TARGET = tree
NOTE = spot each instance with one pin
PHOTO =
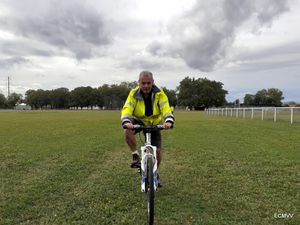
(260, 98)
(185, 90)
(249, 100)
(129, 85)
(83, 97)
(114, 96)
(171, 96)
(45, 98)
(212, 93)
(31, 98)
(104, 91)
(2, 100)
(60, 98)
(13, 99)
(275, 96)
(37, 99)
(201, 93)
(98, 98)
(270, 97)
(118, 95)
(42, 98)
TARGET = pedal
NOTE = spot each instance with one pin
(136, 165)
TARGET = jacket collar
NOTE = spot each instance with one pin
(137, 92)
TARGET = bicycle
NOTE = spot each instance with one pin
(148, 169)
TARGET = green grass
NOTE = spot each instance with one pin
(72, 167)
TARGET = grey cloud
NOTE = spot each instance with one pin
(20, 48)
(8, 63)
(203, 35)
(142, 62)
(41, 52)
(70, 25)
(268, 10)
(262, 64)
(156, 48)
(283, 56)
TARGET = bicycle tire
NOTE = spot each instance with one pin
(150, 191)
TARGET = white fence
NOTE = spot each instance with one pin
(291, 114)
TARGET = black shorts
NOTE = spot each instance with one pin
(155, 135)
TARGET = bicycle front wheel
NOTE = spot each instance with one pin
(150, 190)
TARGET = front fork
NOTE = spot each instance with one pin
(147, 152)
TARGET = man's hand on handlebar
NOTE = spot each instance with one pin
(128, 126)
(168, 125)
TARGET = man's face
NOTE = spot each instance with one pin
(146, 83)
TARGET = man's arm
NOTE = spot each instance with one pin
(166, 111)
(126, 113)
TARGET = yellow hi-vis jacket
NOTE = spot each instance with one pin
(134, 108)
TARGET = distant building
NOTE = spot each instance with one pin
(22, 106)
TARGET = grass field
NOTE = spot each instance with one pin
(72, 167)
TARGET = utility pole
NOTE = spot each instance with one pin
(8, 91)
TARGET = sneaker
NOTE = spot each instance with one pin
(135, 161)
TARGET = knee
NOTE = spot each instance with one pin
(128, 134)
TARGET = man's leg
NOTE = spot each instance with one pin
(159, 156)
(156, 141)
(131, 141)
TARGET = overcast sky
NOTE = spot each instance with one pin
(248, 45)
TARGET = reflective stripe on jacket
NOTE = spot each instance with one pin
(134, 107)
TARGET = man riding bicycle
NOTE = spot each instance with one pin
(145, 105)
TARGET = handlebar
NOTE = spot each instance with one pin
(151, 127)
(147, 128)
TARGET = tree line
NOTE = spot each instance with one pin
(264, 97)
(193, 93)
